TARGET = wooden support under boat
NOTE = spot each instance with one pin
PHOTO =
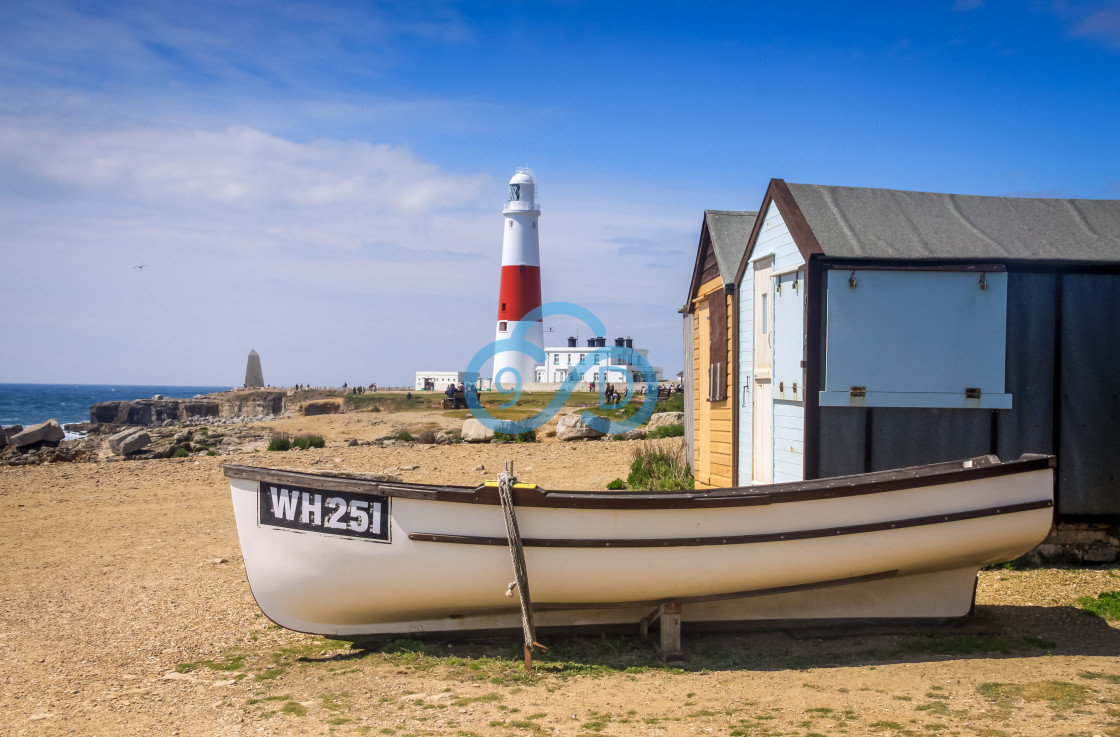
(668, 618)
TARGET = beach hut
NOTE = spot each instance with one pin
(880, 329)
(709, 316)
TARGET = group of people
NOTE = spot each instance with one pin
(457, 395)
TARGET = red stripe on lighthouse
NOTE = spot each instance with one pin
(520, 292)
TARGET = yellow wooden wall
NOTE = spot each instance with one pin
(714, 444)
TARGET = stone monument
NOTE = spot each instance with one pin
(254, 378)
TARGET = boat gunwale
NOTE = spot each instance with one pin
(877, 482)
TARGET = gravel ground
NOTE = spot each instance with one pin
(124, 610)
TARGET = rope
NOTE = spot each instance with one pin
(506, 480)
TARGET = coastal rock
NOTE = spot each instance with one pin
(662, 419)
(45, 432)
(636, 434)
(129, 441)
(572, 427)
(475, 432)
(11, 430)
(3, 438)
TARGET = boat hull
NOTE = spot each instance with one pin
(900, 554)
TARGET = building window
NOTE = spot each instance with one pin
(503, 306)
(514, 192)
(502, 326)
(555, 358)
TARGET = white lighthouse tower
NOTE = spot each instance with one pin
(520, 291)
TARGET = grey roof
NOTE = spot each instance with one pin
(730, 231)
(855, 222)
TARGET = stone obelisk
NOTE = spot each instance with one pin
(254, 378)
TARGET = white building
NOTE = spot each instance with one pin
(561, 359)
(438, 380)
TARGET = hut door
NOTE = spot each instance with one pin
(762, 424)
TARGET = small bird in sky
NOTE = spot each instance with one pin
(140, 266)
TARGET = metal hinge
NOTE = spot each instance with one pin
(972, 393)
(858, 391)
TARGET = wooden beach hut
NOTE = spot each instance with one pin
(709, 318)
(880, 329)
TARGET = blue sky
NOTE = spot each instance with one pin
(322, 182)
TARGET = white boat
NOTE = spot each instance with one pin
(351, 557)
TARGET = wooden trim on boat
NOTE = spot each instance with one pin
(764, 537)
(793, 588)
(937, 474)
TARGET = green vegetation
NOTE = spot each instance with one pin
(1106, 677)
(228, 663)
(659, 466)
(529, 436)
(280, 442)
(295, 708)
(617, 484)
(1058, 695)
(308, 441)
(666, 431)
(1106, 606)
(180, 453)
(283, 441)
(404, 435)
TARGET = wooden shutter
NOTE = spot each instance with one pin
(717, 345)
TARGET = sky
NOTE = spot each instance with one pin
(323, 181)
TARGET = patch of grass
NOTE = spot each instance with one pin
(180, 453)
(211, 452)
(277, 697)
(1059, 695)
(529, 436)
(934, 707)
(659, 466)
(271, 673)
(1106, 606)
(304, 442)
(616, 484)
(404, 435)
(228, 663)
(294, 708)
(1106, 677)
(484, 698)
(335, 702)
(280, 442)
(973, 643)
(666, 431)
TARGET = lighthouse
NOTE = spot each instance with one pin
(520, 291)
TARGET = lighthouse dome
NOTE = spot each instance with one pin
(522, 189)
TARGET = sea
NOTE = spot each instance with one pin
(30, 404)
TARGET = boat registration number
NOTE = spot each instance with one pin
(349, 514)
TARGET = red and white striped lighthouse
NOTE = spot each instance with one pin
(520, 292)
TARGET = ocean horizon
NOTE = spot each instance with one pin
(30, 404)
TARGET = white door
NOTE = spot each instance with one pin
(762, 425)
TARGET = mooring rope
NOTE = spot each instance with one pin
(506, 480)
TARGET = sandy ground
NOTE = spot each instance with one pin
(124, 609)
